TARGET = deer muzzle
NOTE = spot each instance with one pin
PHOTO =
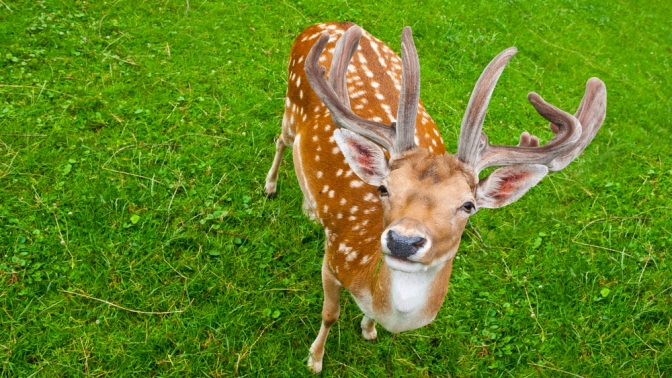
(406, 239)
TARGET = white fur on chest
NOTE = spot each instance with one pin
(408, 295)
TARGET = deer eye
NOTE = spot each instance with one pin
(468, 207)
(382, 191)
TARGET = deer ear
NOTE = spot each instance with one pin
(365, 158)
(506, 185)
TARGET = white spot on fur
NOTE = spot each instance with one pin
(356, 184)
(388, 111)
(343, 201)
(361, 58)
(344, 248)
(331, 194)
(319, 174)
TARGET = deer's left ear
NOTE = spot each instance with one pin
(364, 157)
(506, 185)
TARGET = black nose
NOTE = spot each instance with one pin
(403, 247)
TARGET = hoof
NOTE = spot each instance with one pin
(369, 331)
(315, 367)
(271, 195)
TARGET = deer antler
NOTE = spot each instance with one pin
(570, 139)
(410, 93)
(591, 114)
(334, 94)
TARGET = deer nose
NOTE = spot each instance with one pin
(403, 247)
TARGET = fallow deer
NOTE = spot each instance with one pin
(392, 202)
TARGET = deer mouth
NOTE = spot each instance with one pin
(403, 265)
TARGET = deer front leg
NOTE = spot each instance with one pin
(272, 177)
(331, 309)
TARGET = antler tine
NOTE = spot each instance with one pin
(341, 113)
(470, 141)
(410, 93)
(345, 49)
(567, 136)
(591, 114)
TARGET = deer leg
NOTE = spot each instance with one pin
(301, 177)
(272, 177)
(308, 209)
(331, 309)
(369, 328)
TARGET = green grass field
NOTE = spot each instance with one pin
(135, 239)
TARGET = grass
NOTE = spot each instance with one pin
(135, 138)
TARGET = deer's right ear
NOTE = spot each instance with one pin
(365, 158)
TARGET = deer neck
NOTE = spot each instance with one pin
(404, 301)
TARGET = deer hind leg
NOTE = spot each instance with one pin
(307, 206)
(331, 309)
(272, 177)
(369, 328)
